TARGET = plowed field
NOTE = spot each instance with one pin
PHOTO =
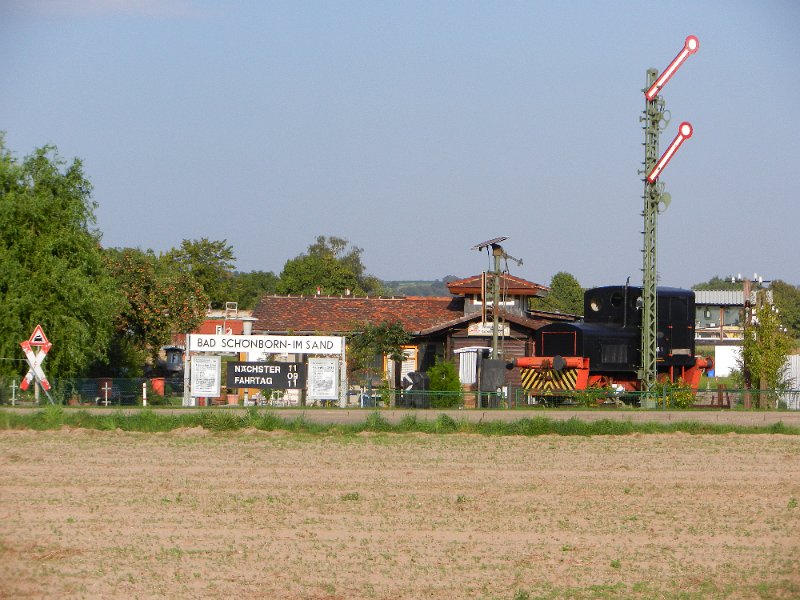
(279, 515)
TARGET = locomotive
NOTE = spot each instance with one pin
(604, 349)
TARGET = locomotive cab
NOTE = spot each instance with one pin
(621, 306)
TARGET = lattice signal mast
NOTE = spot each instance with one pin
(655, 200)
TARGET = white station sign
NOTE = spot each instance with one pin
(271, 344)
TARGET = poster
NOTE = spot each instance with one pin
(323, 379)
(206, 376)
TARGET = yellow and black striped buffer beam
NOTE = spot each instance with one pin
(549, 379)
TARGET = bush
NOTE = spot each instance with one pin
(674, 394)
(444, 379)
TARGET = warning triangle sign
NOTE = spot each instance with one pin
(38, 338)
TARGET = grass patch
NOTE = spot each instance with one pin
(151, 420)
(376, 422)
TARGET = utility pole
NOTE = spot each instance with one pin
(498, 255)
(748, 323)
(656, 201)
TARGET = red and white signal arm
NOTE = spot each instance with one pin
(690, 46)
(684, 133)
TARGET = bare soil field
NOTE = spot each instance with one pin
(89, 514)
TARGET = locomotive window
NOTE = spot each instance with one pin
(614, 354)
(595, 304)
(617, 299)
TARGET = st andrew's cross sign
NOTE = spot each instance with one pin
(35, 360)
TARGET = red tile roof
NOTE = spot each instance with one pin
(334, 314)
(512, 286)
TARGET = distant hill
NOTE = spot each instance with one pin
(419, 288)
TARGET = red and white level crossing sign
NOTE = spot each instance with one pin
(36, 358)
(38, 338)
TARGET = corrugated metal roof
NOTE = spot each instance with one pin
(719, 297)
(726, 297)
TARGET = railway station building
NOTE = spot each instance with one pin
(457, 328)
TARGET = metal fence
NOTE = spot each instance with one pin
(720, 398)
(101, 391)
(169, 392)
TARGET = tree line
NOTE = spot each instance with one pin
(112, 309)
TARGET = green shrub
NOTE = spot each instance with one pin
(674, 394)
(444, 379)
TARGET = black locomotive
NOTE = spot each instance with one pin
(604, 349)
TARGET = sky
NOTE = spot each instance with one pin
(417, 130)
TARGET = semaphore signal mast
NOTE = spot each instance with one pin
(655, 200)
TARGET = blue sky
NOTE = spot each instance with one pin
(419, 129)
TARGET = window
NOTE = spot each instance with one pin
(614, 354)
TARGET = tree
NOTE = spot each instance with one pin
(331, 267)
(370, 342)
(764, 351)
(718, 283)
(566, 296)
(210, 263)
(249, 287)
(51, 264)
(787, 300)
(159, 300)
(307, 275)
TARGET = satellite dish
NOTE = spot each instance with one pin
(664, 202)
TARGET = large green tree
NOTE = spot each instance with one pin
(330, 266)
(787, 298)
(764, 351)
(370, 342)
(210, 263)
(159, 300)
(566, 295)
(51, 264)
(249, 287)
